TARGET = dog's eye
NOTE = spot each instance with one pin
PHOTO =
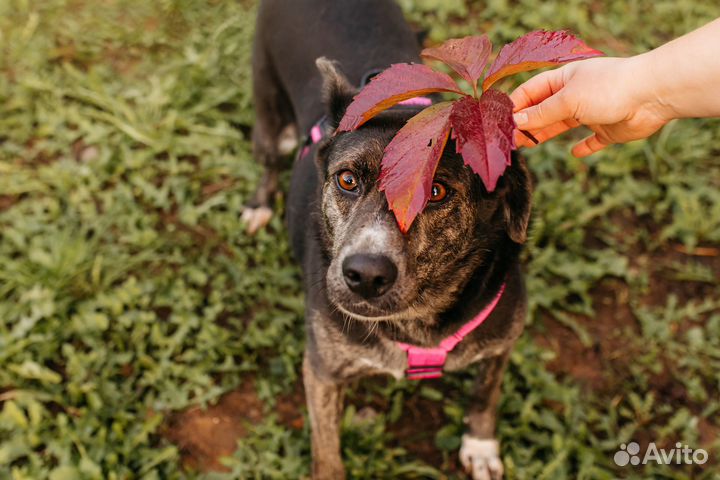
(438, 192)
(347, 181)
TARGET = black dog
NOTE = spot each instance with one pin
(368, 286)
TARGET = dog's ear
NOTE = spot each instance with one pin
(517, 190)
(337, 90)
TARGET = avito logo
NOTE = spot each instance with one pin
(630, 454)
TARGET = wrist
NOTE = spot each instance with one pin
(653, 91)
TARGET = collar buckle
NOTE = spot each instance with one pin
(429, 362)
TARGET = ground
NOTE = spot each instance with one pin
(144, 335)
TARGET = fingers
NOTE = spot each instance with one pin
(542, 108)
(540, 102)
(555, 129)
(537, 89)
(582, 149)
(588, 146)
(546, 133)
(554, 109)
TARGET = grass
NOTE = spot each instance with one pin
(129, 292)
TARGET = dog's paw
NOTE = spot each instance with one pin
(481, 458)
(255, 218)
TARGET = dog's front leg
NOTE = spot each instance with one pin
(480, 451)
(325, 406)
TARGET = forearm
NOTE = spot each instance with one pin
(683, 76)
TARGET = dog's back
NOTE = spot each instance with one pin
(292, 34)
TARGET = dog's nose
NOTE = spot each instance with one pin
(369, 275)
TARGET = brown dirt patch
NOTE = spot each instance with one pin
(206, 435)
(601, 366)
(7, 201)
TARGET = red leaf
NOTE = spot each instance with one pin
(483, 130)
(536, 50)
(399, 82)
(410, 160)
(467, 56)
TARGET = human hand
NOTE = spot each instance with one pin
(613, 97)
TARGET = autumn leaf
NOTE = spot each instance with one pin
(536, 50)
(410, 161)
(483, 131)
(481, 125)
(399, 82)
(467, 56)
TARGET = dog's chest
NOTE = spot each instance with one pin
(351, 359)
(365, 365)
(346, 358)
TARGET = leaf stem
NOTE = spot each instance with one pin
(530, 136)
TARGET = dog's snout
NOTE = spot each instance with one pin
(369, 275)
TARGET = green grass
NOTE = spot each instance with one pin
(128, 289)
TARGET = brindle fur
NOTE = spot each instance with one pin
(451, 262)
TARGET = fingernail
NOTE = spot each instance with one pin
(520, 118)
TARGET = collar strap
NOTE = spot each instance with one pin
(316, 134)
(429, 362)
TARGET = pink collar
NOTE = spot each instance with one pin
(429, 362)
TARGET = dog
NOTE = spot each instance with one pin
(379, 301)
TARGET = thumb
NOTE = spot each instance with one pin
(554, 109)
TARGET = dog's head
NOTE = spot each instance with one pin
(376, 272)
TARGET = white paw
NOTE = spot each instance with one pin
(255, 218)
(481, 458)
(287, 141)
